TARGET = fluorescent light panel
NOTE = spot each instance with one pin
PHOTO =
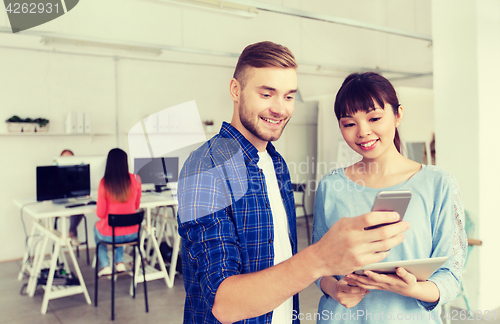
(217, 6)
(94, 44)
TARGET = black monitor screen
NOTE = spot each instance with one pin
(58, 182)
(158, 171)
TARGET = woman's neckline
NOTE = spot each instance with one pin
(342, 173)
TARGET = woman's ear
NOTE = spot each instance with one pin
(399, 117)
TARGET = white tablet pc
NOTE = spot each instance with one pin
(422, 269)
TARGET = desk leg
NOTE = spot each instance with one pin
(79, 275)
(161, 262)
(175, 251)
(162, 274)
(160, 229)
(50, 278)
(154, 232)
(146, 253)
(24, 264)
(151, 273)
(148, 248)
(63, 258)
(138, 263)
(37, 265)
(149, 223)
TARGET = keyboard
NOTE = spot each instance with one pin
(75, 205)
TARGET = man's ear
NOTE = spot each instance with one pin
(399, 117)
(235, 90)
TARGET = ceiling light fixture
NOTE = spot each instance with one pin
(101, 45)
(246, 11)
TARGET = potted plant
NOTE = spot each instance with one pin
(209, 125)
(43, 125)
(16, 124)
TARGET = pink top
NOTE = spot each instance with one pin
(107, 205)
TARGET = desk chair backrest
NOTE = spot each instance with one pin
(124, 220)
(302, 188)
(470, 228)
(299, 187)
(470, 231)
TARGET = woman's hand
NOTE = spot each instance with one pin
(403, 282)
(347, 296)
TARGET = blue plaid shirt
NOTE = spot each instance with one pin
(225, 219)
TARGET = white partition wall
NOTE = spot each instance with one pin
(418, 116)
(466, 90)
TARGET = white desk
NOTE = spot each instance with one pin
(43, 212)
(150, 201)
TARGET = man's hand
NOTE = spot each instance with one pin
(348, 246)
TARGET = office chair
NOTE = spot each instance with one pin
(302, 188)
(469, 229)
(122, 220)
(86, 242)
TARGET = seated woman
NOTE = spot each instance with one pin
(119, 192)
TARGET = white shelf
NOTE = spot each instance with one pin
(54, 134)
(165, 134)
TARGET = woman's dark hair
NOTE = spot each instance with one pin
(360, 91)
(116, 176)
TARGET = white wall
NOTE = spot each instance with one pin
(466, 114)
(489, 177)
(298, 145)
(49, 81)
(418, 116)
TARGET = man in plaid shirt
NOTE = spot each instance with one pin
(237, 216)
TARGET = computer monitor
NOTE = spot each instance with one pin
(158, 171)
(62, 182)
(97, 166)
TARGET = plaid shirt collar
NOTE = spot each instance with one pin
(249, 150)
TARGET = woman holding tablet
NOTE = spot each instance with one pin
(119, 192)
(369, 113)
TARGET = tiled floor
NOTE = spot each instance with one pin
(165, 305)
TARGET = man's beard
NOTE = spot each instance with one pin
(247, 122)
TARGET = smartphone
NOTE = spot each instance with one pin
(391, 201)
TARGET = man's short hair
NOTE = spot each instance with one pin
(262, 55)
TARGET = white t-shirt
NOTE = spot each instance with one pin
(282, 246)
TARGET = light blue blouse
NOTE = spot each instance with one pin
(436, 217)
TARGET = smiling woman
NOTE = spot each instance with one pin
(369, 113)
(366, 92)
(373, 131)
